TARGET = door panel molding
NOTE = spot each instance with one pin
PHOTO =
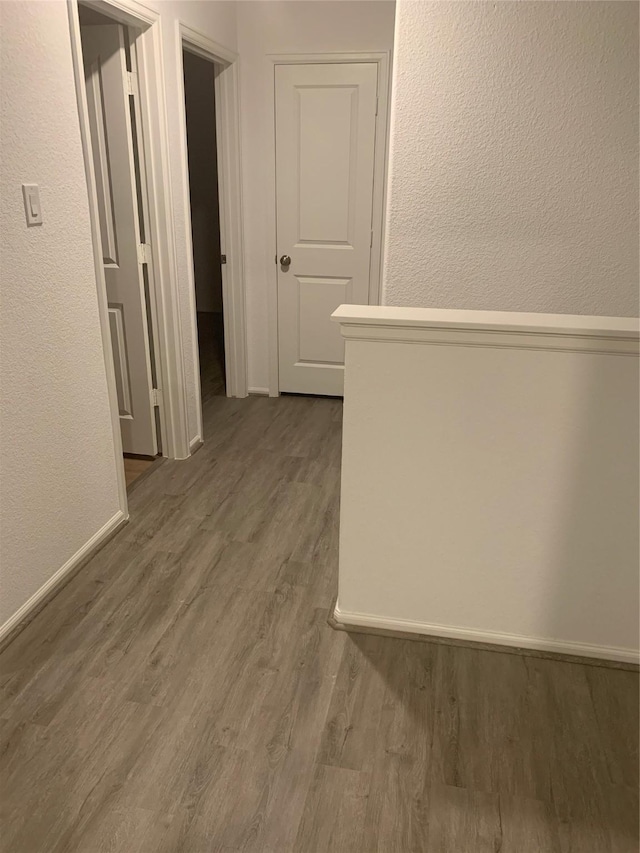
(335, 229)
(314, 290)
(123, 384)
(383, 61)
(103, 173)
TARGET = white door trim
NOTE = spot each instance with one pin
(165, 316)
(383, 60)
(230, 202)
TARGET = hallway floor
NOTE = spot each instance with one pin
(184, 691)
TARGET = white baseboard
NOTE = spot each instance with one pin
(540, 644)
(258, 391)
(48, 588)
(195, 444)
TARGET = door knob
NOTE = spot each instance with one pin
(285, 260)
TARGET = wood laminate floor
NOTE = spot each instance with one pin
(184, 691)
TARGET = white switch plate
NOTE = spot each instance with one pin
(32, 209)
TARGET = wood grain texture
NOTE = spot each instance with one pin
(184, 691)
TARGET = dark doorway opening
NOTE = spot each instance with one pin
(199, 87)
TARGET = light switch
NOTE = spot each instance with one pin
(32, 209)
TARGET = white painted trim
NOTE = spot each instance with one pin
(257, 391)
(167, 330)
(169, 347)
(101, 286)
(553, 332)
(230, 201)
(508, 321)
(382, 59)
(195, 444)
(232, 228)
(273, 370)
(84, 553)
(129, 12)
(207, 48)
(565, 647)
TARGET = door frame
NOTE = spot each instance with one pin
(164, 310)
(383, 61)
(227, 115)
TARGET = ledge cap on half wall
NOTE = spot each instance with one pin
(613, 335)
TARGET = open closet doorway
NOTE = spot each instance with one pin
(111, 81)
(202, 155)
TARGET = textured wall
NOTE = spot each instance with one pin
(58, 480)
(513, 182)
(264, 27)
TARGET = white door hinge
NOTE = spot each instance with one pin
(371, 239)
(144, 253)
(132, 82)
(156, 397)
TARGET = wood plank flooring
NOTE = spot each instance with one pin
(184, 691)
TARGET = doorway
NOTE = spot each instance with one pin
(111, 86)
(329, 138)
(202, 157)
(226, 365)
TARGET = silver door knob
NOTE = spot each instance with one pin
(285, 260)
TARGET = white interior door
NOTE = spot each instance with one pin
(325, 151)
(107, 83)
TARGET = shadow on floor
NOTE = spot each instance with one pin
(211, 352)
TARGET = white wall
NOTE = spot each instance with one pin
(57, 455)
(514, 159)
(203, 180)
(271, 27)
(490, 478)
